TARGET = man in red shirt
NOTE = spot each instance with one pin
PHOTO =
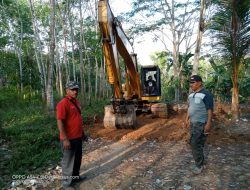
(70, 125)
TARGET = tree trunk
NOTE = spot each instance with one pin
(62, 16)
(96, 78)
(38, 54)
(235, 92)
(59, 74)
(179, 27)
(175, 43)
(236, 62)
(89, 83)
(57, 60)
(88, 68)
(19, 53)
(199, 37)
(65, 58)
(50, 98)
(71, 23)
(177, 67)
(88, 71)
(101, 80)
(72, 57)
(81, 53)
(40, 74)
(60, 79)
(104, 77)
(18, 45)
(96, 60)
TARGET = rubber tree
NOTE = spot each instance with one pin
(50, 97)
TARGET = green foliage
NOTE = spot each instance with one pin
(244, 82)
(3, 41)
(16, 17)
(15, 33)
(9, 69)
(11, 96)
(9, 66)
(168, 81)
(8, 96)
(32, 136)
(231, 27)
(96, 109)
(34, 139)
(245, 90)
(42, 13)
(219, 82)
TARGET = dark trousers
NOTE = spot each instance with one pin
(71, 161)
(197, 142)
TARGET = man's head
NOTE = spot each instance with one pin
(195, 82)
(72, 89)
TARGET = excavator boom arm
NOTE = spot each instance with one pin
(115, 41)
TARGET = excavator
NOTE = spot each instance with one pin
(140, 91)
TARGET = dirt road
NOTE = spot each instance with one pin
(157, 155)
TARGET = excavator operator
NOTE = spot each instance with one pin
(150, 85)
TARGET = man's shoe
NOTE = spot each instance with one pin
(82, 178)
(197, 170)
(79, 179)
(66, 184)
(193, 167)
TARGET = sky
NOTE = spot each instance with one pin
(143, 46)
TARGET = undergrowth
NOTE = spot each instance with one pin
(30, 135)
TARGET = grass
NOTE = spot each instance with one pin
(95, 109)
(32, 139)
(31, 136)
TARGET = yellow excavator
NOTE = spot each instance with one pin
(140, 91)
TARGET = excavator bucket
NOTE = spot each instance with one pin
(119, 121)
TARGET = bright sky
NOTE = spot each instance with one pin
(143, 46)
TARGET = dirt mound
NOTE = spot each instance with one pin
(148, 128)
(224, 130)
(227, 132)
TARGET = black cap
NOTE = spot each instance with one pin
(195, 78)
(72, 85)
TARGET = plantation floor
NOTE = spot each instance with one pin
(157, 155)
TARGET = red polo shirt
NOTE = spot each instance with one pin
(72, 119)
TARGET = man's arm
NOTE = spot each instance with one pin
(66, 142)
(207, 127)
(187, 122)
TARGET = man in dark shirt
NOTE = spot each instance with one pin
(150, 85)
(199, 119)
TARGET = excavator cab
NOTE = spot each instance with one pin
(150, 83)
